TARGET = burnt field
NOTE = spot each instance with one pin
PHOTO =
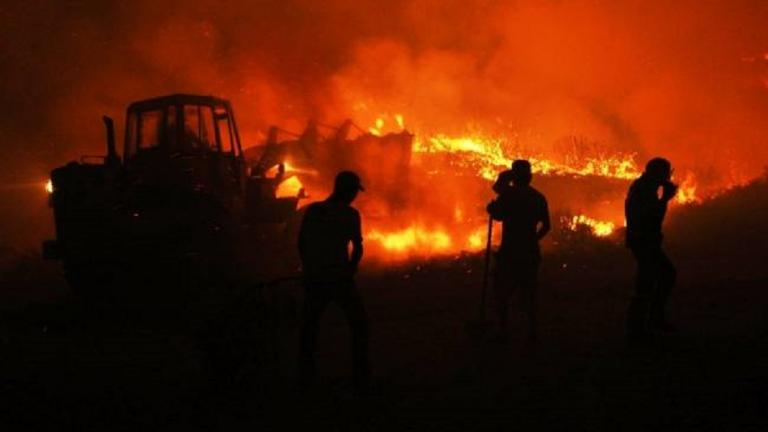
(65, 365)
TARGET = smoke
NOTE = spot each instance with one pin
(683, 80)
(686, 79)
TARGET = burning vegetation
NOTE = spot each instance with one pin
(428, 192)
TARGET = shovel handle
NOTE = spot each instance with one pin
(487, 269)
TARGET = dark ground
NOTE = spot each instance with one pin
(59, 373)
(67, 367)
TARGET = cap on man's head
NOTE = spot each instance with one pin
(348, 180)
(521, 171)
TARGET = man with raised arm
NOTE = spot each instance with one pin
(645, 208)
(524, 215)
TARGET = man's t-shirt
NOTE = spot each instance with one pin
(644, 211)
(326, 231)
(520, 209)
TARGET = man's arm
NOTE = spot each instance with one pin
(669, 190)
(651, 207)
(357, 244)
(544, 220)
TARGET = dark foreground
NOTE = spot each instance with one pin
(65, 368)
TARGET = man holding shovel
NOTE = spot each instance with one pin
(524, 215)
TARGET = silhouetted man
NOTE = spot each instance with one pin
(645, 208)
(329, 268)
(524, 215)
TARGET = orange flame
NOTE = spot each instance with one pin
(378, 128)
(289, 188)
(597, 227)
(419, 241)
(686, 193)
(487, 156)
(412, 238)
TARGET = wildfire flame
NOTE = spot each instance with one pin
(686, 193)
(417, 240)
(377, 127)
(291, 185)
(400, 121)
(289, 188)
(599, 228)
(476, 240)
(293, 169)
(436, 241)
(486, 156)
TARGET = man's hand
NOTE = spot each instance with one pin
(502, 181)
(494, 211)
(669, 190)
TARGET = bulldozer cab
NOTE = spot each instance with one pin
(185, 136)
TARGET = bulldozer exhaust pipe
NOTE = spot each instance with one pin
(112, 158)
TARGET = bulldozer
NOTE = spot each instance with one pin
(184, 237)
(180, 203)
(176, 247)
